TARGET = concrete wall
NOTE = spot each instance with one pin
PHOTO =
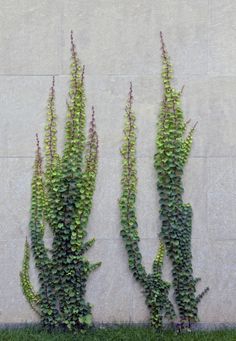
(118, 40)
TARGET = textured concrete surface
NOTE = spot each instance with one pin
(119, 42)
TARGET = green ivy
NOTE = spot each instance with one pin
(173, 148)
(62, 195)
(155, 289)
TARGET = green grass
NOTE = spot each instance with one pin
(114, 334)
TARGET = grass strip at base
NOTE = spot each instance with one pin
(115, 334)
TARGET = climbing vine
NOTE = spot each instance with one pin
(62, 195)
(155, 289)
(173, 148)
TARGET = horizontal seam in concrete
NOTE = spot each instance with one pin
(101, 239)
(16, 157)
(156, 238)
(224, 240)
(156, 75)
(116, 157)
(148, 75)
(25, 75)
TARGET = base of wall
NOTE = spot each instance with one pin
(195, 326)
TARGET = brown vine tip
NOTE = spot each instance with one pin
(182, 89)
(93, 117)
(53, 82)
(163, 48)
(71, 36)
(195, 125)
(53, 86)
(131, 90)
(72, 43)
(162, 39)
(130, 93)
(37, 139)
(38, 144)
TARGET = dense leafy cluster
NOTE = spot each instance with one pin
(155, 289)
(173, 149)
(62, 196)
